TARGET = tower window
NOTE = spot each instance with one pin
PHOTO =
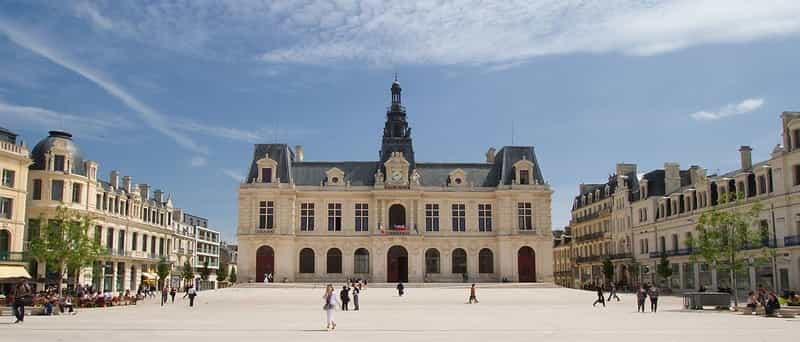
(58, 163)
(266, 175)
(524, 177)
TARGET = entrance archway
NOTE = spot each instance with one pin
(397, 265)
(397, 216)
(265, 262)
(526, 265)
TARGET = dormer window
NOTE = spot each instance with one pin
(524, 177)
(458, 177)
(267, 167)
(59, 163)
(335, 176)
(524, 169)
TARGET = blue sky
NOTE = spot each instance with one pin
(175, 93)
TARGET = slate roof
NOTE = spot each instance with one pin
(362, 173)
(630, 178)
(45, 145)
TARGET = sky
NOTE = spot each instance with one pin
(176, 93)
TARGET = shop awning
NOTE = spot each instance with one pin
(13, 272)
(148, 276)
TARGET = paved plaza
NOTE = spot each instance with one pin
(424, 314)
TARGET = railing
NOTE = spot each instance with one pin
(591, 236)
(13, 256)
(793, 240)
(588, 258)
(674, 252)
(13, 148)
(587, 217)
(620, 256)
(762, 244)
(258, 230)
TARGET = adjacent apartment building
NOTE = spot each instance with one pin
(395, 218)
(14, 162)
(654, 214)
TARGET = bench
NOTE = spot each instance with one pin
(697, 300)
(758, 311)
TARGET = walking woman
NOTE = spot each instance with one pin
(653, 299)
(641, 296)
(329, 306)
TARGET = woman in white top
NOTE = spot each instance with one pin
(330, 303)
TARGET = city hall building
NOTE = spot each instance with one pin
(396, 218)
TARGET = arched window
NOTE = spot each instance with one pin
(361, 260)
(485, 261)
(459, 261)
(307, 260)
(432, 261)
(334, 260)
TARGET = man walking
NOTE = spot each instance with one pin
(613, 292)
(653, 299)
(400, 289)
(191, 292)
(164, 294)
(172, 292)
(343, 295)
(472, 296)
(600, 297)
(23, 295)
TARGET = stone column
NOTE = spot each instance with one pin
(696, 268)
(714, 282)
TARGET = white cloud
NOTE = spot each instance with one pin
(89, 11)
(198, 161)
(235, 175)
(746, 106)
(446, 32)
(260, 135)
(149, 115)
(85, 125)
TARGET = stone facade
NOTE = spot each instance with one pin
(656, 212)
(14, 162)
(394, 219)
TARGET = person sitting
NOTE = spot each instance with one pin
(66, 303)
(752, 301)
(772, 305)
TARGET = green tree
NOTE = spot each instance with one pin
(188, 272)
(664, 269)
(608, 269)
(727, 238)
(162, 270)
(232, 277)
(205, 271)
(64, 242)
(222, 272)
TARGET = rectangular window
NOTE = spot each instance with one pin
(307, 217)
(266, 175)
(485, 217)
(334, 217)
(762, 184)
(524, 177)
(99, 202)
(459, 217)
(525, 216)
(362, 217)
(110, 238)
(121, 242)
(8, 178)
(58, 163)
(57, 190)
(432, 217)
(37, 189)
(144, 242)
(266, 215)
(76, 193)
(796, 169)
(6, 205)
(134, 240)
(98, 235)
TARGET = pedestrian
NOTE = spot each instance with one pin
(356, 290)
(172, 292)
(269, 278)
(653, 299)
(345, 297)
(191, 292)
(600, 297)
(23, 295)
(365, 284)
(66, 303)
(329, 306)
(472, 296)
(266, 278)
(400, 289)
(164, 294)
(641, 297)
(773, 305)
(613, 292)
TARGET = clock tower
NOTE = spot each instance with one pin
(396, 137)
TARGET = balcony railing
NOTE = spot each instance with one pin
(674, 252)
(592, 258)
(620, 256)
(396, 230)
(793, 240)
(591, 236)
(13, 256)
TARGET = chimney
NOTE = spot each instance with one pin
(697, 173)
(126, 183)
(672, 177)
(144, 190)
(746, 156)
(624, 169)
(490, 155)
(158, 196)
(114, 179)
(298, 153)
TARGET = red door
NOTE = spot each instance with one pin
(265, 263)
(526, 262)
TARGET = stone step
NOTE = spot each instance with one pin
(407, 285)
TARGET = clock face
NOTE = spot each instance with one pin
(396, 175)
